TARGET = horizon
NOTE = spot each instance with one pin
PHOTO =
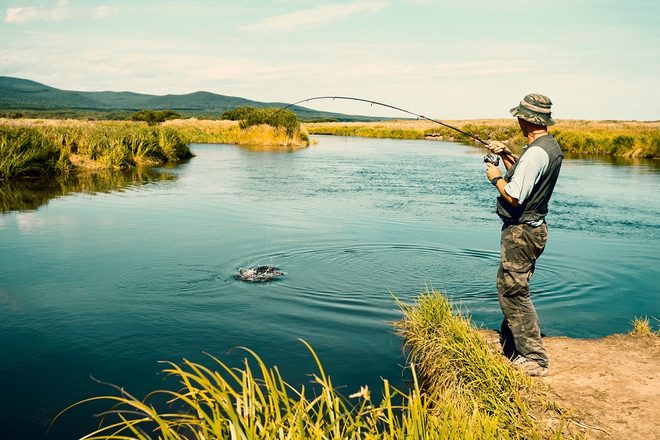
(596, 60)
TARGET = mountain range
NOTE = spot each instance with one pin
(24, 95)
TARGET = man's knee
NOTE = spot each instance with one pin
(512, 284)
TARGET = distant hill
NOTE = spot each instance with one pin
(17, 94)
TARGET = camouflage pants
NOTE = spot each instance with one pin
(521, 246)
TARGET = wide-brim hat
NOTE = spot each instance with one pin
(534, 108)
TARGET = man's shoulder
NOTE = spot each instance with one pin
(547, 143)
(535, 153)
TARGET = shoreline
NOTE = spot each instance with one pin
(608, 385)
(630, 139)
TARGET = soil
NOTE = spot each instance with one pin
(610, 386)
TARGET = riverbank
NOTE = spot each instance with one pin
(41, 147)
(613, 138)
(460, 387)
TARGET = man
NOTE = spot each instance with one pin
(524, 193)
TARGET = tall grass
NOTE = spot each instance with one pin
(27, 152)
(38, 147)
(456, 364)
(614, 138)
(460, 388)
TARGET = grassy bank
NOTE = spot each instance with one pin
(459, 388)
(614, 138)
(31, 148)
(35, 147)
(230, 132)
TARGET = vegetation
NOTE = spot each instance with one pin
(31, 148)
(275, 117)
(614, 138)
(231, 132)
(154, 117)
(459, 369)
(463, 389)
(26, 152)
(641, 326)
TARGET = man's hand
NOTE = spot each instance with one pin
(497, 147)
(492, 171)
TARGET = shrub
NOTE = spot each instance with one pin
(154, 117)
(275, 117)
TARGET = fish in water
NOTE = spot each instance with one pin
(258, 274)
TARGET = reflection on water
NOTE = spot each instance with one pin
(637, 162)
(111, 284)
(30, 194)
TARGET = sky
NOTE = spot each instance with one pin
(448, 59)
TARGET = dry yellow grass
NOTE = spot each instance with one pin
(615, 138)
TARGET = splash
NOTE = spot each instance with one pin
(258, 274)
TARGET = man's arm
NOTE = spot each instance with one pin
(492, 172)
(508, 158)
(529, 170)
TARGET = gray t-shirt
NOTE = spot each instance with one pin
(531, 166)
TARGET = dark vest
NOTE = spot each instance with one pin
(535, 207)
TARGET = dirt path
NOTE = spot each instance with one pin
(610, 386)
(611, 383)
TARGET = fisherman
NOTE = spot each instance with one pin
(522, 204)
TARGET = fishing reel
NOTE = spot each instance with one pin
(491, 158)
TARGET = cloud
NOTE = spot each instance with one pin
(104, 11)
(61, 11)
(20, 15)
(317, 16)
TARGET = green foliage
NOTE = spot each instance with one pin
(153, 117)
(278, 118)
(238, 113)
(27, 152)
(45, 149)
(455, 362)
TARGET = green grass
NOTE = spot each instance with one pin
(42, 148)
(459, 388)
(28, 152)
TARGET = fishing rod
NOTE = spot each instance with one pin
(495, 160)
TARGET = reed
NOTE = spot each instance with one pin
(38, 147)
(27, 152)
(459, 388)
(614, 138)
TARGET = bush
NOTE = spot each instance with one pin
(275, 117)
(152, 117)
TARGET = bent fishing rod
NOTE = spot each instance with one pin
(495, 160)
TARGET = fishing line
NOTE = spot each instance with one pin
(489, 158)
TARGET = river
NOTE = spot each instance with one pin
(108, 282)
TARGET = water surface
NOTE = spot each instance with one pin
(108, 283)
